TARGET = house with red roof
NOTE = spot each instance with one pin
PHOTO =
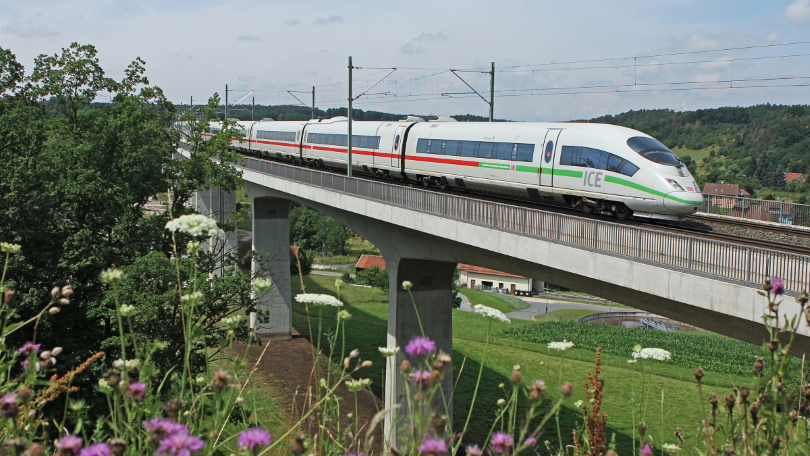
(369, 261)
(477, 277)
(789, 177)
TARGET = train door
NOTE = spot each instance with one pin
(549, 146)
(299, 138)
(396, 147)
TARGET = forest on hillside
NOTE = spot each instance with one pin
(753, 146)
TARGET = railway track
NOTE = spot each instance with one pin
(660, 226)
(787, 230)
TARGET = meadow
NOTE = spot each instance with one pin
(664, 395)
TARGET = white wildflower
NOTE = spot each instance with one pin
(261, 285)
(313, 298)
(231, 322)
(104, 386)
(127, 310)
(631, 361)
(193, 246)
(579, 403)
(111, 275)
(653, 353)
(192, 297)
(344, 315)
(671, 447)
(132, 364)
(7, 247)
(389, 351)
(407, 285)
(196, 225)
(491, 313)
(357, 385)
(338, 283)
(562, 346)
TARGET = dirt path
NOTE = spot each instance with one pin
(288, 366)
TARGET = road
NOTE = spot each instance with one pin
(540, 306)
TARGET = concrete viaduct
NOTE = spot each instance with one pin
(424, 234)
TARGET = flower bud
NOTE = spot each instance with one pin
(407, 285)
(240, 400)
(63, 301)
(405, 367)
(515, 377)
(699, 374)
(567, 389)
(642, 429)
(67, 290)
(354, 353)
(55, 292)
(501, 402)
(56, 351)
(366, 363)
(346, 361)
(8, 297)
(46, 354)
(118, 363)
(117, 446)
(54, 310)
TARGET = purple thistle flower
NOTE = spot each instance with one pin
(501, 442)
(96, 449)
(421, 378)
(29, 347)
(254, 437)
(160, 428)
(180, 444)
(531, 441)
(646, 450)
(778, 284)
(69, 445)
(8, 405)
(435, 446)
(136, 391)
(420, 346)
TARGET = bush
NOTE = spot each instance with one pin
(373, 276)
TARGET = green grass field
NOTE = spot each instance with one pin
(697, 155)
(488, 299)
(665, 397)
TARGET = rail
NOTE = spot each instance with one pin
(783, 212)
(740, 264)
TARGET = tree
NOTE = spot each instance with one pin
(374, 276)
(74, 182)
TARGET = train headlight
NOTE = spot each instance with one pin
(674, 184)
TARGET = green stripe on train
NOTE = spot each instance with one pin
(527, 169)
(566, 173)
(494, 165)
(627, 183)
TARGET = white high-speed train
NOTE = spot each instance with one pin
(595, 167)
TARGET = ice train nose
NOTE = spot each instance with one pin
(683, 202)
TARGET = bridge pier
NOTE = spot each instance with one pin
(220, 205)
(430, 296)
(271, 240)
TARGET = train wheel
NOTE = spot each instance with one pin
(623, 212)
(587, 209)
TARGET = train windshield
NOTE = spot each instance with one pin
(653, 150)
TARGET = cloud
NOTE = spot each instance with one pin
(425, 36)
(250, 38)
(699, 43)
(798, 12)
(332, 19)
(292, 22)
(413, 50)
(772, 37)
(27, 29)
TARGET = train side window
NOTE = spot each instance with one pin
(485, 150)
(590, 157)
(525, 152)
(603, 160)
(614, 163)
(396, 143)
(629, 169)
(469, 148)
(436, 146)
(422, 146)
(549, 151)
(452, 147)
(504, 151)
(566, 155)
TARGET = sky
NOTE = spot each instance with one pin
(551, 57)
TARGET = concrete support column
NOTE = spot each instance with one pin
(271, 238)
(220, 205)
(432, 294)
